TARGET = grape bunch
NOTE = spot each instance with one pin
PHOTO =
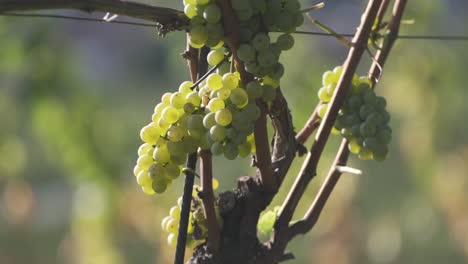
(197, 227)
(218, 116)
(206, 27)
(363, 120)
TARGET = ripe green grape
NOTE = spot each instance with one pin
(216, 104)
(161, 155)
(223, 117)
(175, 133)
(218, 133)
(285, 41)
(239, 97)
(170, 115)
(246, 53)
(231, 151)
(212, 13)
(144, 161)
(261, 41)
(230, 81)
(159, 185)
(190, 10)
(323, 95)
(215, 57)
(214, 81)
(199, 35)
(184, 87)
(217, 148)
(150, 134)
(143, 179)
(193, 98)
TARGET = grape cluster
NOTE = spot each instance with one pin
(205, 23)
(363, 120)
(218, 116)
(197, 227)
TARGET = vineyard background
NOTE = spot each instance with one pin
(73, 96)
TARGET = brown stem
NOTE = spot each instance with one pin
(309, 127)
(191, 55)
(169, 19)
(308, 170)
(207, 196)
(382, 11)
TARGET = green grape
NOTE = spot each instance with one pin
(193, 98)
(322, 110)
(252, 67)
(365, 154)
(172, 225)
(150, 134)
(354, 146)
(199, 34)
(380, 152)
(206, 141)
(196, 133)
(164, 222)
(189, 108)
(323, 95)
(267, 220)
(216, 104)
(230, 81)
(209, 120)
(144, 161)
(244, 149)
(245, 34)
(145, 148)
(157, 171)
(212, 14)
(355, 102)
(223, 93)
(195, 122)
(174, 212)
(224, 68)
(137, 170)
(285, 21)
(178, 159)
(170, 115)
(375, 118)
(196, 45)
(329, 78)
(246, 53)
(239, 97)
(365, 111)
(161, 155)
(277, 72)
(244, 14)
(217, 148)
(367, 129)
(166, 99)
(175, 133)
(190, 11)
(371, 143)
(285, 41)
(268, 93)
(223, 117)
(148, 190)
(370, 97)
(267, 80)
(380, 103)
(292, 6)
(298, 19)
(231, 151)
(185, 87)
(267, 58)
(163, 125)
(197, 21)
(215, 57)
(190, 144)
(159, 185)
(254, 89)
(261, 41)
(218, 133)
(384, 135)
(178, 100)
(143, 179)
(175, 148)
(214, 81)
(158, 108)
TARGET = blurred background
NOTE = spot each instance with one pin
(74, 95)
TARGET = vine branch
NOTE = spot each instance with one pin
(168, 19)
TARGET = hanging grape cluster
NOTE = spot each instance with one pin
(206, 27)
(363, 120)
(197, 229)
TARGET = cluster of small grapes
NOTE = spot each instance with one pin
(196, 229)
(218, 117)
(363, 120)
(205, 23)
(257, 51)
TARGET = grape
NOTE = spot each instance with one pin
(174, 212)
(199, 34)
(206, 141)
(231, 151)
(215, 184)
(171, 225)
(175, 133)
(239, 97)
(323, 95)
(190, 11)
(367, 129)
(375, 118)
(329, 77)
(244, 149)
(170, 115)
(354, 146)
(285, 22)
(137, 170)
(267, 80)
(175, 148)
(217, 132)
(230, 81)
(268, 93)
(217, 148)
(144, 161)
(292, 6)
(365, 154)
(246, 53)
(159, 185)
(215, 57)
(145, 148)
(193, 98)
(161, 155)
(178, 159)
(185, 87)
(278, 71)
(150, 134)
(148, 190)
(261, 41)
(216, 104)
(366, 110)
(223, 93)
(370, 97)
(157, 171)
(254, 89)
(143, 179)
(252, 67)
(267, 58)
(322, 110)
(195, 122)
(223, 117)
(355, 102)
(178, 100)
(189, 108)
(380, 103)
(244, 14)
(380, 152)
(197, 21)
(214, 81)
(285, 41)
(212, 14)
(164, 222)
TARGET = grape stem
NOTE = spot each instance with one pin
(282, 233)
(335, 172)
(167, 19)
(207, 196)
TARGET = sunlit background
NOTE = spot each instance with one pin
(74, 95)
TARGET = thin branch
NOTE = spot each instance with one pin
(168, 19)
(310, 126)
(207, 196)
